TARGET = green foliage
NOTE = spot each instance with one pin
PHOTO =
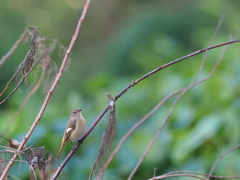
(119, 42)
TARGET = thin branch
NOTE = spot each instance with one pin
(50, 92)
(184, 173)
(28, 57)
(14, 47)
(33, 174)
(22, 80)
(125, 90)
(9, 83)
(8, 151)
(177, 175)
(14, 177)
(194, 83)
(26, 64)
(171, 63)
(210, 43)
(137, 124)
(157, 106)
(33, 90)
(219, 159)
(157, 133)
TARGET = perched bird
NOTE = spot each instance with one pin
(75, 128)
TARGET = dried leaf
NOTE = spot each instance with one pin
(106, 144)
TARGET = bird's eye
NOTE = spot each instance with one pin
(74, 112)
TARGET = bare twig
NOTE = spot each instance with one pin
(194, 83)
(178, 175)
(27, 67)
(32, 174)
(8, 151)
(37, 48)
(157, 107)
(14, 47)
(35, 88)
(189, 174)
(138, 124)
(210, 43)
(51, 90)
(9, 83)
(125, 90)
(154, 172)
(26, 64)
(14, 177)
(171, 63)
(219, 159)
(21, 81)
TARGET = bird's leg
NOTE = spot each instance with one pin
(73, 148)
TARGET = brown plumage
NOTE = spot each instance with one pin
(75, 128)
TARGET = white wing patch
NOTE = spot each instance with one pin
(68, 129)
(111, 103)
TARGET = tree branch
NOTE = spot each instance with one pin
(50, 92)
(125, 90)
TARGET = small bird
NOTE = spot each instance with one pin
(75, 128)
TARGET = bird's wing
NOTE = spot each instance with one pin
(71, 126)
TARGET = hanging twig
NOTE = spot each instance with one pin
(26, 66)
(19, 41)
(22, 80)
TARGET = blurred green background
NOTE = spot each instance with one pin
(120, 41)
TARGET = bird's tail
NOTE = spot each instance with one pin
(60, 149)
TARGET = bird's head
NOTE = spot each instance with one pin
(76, 112)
